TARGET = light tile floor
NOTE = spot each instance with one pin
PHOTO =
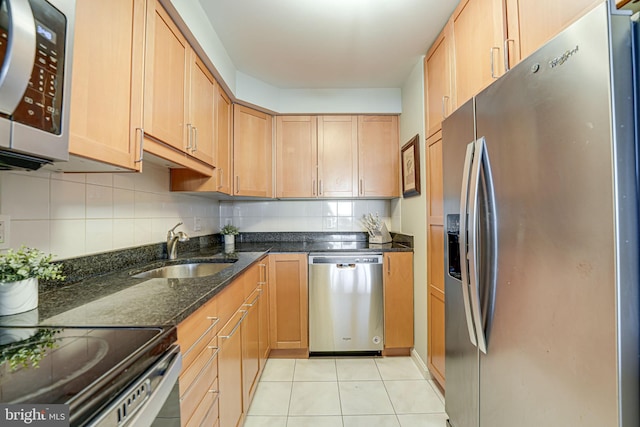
(362, 392)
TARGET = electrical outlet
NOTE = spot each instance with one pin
(5, 220)
(197, 223)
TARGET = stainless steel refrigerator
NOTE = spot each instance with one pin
(541, 252)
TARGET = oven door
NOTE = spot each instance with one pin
(153, 399)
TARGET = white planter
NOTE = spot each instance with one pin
(18, 297)
(229, 239)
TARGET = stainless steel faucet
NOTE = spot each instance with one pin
(172, 241)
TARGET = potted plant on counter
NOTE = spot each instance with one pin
(19, 274)
(229, 232)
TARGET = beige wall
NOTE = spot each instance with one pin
(413, 210)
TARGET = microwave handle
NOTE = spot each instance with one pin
(20, 55)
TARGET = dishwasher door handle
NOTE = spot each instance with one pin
(346, 266)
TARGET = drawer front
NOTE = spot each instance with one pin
(229, 300)
(191, 393)
(206, 414)
(210, 326)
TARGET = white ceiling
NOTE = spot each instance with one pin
(299, 44)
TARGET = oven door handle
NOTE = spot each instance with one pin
(154, 386)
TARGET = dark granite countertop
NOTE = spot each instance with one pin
(114, 298)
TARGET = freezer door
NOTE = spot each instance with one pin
(461, 363)
(552, 348)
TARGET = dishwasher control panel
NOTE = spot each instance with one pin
(345, 258)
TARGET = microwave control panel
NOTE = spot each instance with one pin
(41, 104)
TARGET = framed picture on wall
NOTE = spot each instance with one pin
(410, 156)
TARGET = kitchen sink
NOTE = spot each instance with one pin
(183, 271)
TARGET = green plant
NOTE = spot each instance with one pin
(26, 263)
(30, 351)
(229, 230)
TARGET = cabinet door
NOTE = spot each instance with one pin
(106, 96)
(252, 152)
(531, 23)
(438, 79)
(223, 141)
(264, 342)
(435, 259)
(230, 372)
(398, 300)
(378, 156)
(296, 156)
(338, 156)
(166, 79)
(289, 304)
(478, 27)
(250, 331)
(201, 109)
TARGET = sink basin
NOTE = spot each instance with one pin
(183, 271)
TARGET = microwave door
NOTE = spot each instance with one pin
(17, 52)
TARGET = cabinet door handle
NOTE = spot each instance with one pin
(313, 188)
(235, 328)
(360, 190)
(388, 264)
(493, 49)
(444, 107)
(189, 129)
(506, 54)
(141, 145)
(221, 178)
(321, 189)
(195, 139)
(237, 184)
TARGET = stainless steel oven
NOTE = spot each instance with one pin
(106, 376)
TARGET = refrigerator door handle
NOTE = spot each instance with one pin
(464, 201)
(480, 163)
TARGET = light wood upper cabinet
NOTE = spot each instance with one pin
(531, 23)
(378, 162)
(168, 58)
(338, 156)
(106, 96)
(398, 302)
(223, 141)
(296, 156)
(479, 35)
(438, 68)
(252, 152)
(170, 66)
(200, 138)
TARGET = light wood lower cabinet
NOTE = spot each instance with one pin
(230, 371)
(398, 302)
(289, 305)
(222, 364)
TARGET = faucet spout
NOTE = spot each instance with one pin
(172, 241)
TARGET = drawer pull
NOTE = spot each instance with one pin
(201, 373)
(204, 334)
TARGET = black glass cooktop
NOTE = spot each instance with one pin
(82, 367)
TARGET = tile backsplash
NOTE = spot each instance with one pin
(302, 215)
(71, 215)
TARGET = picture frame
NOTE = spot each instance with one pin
(410, 157)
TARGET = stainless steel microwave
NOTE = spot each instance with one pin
(36, 44)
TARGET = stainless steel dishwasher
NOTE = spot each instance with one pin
(345, 303)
